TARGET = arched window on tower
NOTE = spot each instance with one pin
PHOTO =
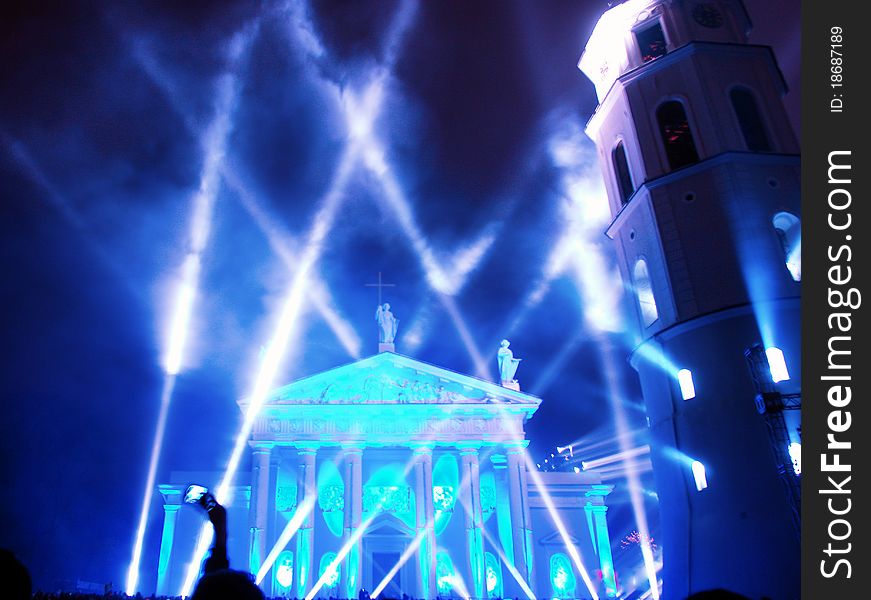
(621, 172)
(651, 42)
(676, 135)
(750, 120)
(644, 291)
(788, 228)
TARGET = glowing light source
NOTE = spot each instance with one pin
(183, 309)
(777, 364)
(622, 456)
(685, 380)
(284, 572)
(795, 454)
(699, 475)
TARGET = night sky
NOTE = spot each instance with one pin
(476, 194)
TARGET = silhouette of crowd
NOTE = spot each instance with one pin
(219, 581)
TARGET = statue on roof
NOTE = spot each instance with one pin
(387, 324)
(507, 365)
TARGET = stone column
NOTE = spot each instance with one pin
(170, 518)
(260, 504)
(603, 544)
(470, 497)
(306, 499)
(518, 499)
(425, 522)
(352, 569)
(503, 506)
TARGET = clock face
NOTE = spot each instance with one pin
(707, 15)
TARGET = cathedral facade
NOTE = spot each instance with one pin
(399, 477)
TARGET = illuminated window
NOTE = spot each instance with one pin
(676, 135)
(621, 172)
(685, 380)
(795, 454)
(331, 573)
(443, 498)
(788, 229)
(750, 120)
(644, 291)
(284, 569)
(444, 574)
(651, 42)
(562, 579)
(699, 475)
(493, 576)
(777, 364)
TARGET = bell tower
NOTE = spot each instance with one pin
(702, 172)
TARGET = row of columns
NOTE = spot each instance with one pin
(473, 572)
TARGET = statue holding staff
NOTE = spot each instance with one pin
(387, 324)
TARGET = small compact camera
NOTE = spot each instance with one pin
(201, 496)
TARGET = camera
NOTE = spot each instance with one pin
(201, 496)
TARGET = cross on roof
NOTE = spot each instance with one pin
(380, 285)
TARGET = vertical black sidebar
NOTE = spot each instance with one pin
(836, 427)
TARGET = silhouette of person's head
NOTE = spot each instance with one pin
(227, 585)
(15, 582)
(718, 594)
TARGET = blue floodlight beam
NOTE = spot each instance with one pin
(293, 525)
(278, 241)
(573, 551)
(133, 569)
(511, 568)
(412, 547)
(632, 479)
(372, 101)
(318, 294)
(361, 114)
(446, 285)
(213, 142)
(275, 350)
(184, 304)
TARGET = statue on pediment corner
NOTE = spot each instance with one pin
(507, 365)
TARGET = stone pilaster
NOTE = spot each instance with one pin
(425, 522)
(261, 502)
(353, 479)
(170, 519)
(470, 498)
(306, 500)
(518, 498)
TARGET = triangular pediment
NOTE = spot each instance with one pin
(556, 539)
(389, 378)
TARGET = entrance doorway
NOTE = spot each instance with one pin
(382, 563)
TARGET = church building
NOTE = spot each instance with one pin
(400, 477)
